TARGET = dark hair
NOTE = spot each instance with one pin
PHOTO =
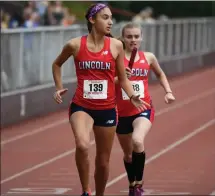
(89, 25)
(109, 35)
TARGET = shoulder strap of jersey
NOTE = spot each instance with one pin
(142, 55)
(107, 43)
(83, 42)
(82, 47)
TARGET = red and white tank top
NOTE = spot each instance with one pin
(95, 77)
(139, 80)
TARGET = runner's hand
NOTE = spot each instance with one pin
(169, 98)
(128, 72)
(58, 93)
(139, 103)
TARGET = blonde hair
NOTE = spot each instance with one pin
(129, 25)
(120, 39)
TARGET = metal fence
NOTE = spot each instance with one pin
(27, 54)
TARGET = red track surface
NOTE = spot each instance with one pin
(180, 147)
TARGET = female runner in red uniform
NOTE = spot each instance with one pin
(96, 58)
(133, 125)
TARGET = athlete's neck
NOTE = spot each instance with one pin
(128, 55)
(96, 38)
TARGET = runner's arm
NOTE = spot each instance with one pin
(159, 73)
(66, 52)
(121, 73)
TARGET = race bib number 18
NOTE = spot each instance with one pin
(95, 89)
(138, 87)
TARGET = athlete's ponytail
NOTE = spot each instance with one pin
(89, 25)
(110, 35)
(123, 43)
(119, 38)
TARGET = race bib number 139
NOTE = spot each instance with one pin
(95, 89)
(138, 87)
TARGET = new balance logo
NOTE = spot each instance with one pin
(142, 61)
(110, 122)
(105, 52)
(144, 114)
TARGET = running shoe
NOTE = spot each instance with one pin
(138, 190)
(131, 191)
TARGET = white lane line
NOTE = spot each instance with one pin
(165, 150)
(93, 142)
(60, 156)
(35, 131)
(175, 106)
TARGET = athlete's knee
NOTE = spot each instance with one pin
(83, 145)
(137, 142)
(102, 160)
(128, 157)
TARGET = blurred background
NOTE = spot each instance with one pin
(33, 33)
(37, 145)
(28, 14)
